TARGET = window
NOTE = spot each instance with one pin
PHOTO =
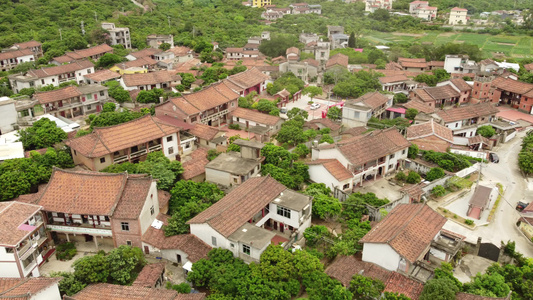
(391, 156)
(170, 150)
(346, 186)
(403, 151)
(75, 153)
(169, 138)
(125, 226)
(246, 249)
(88, 71)
(128, 243)
(213, 241)
(232, 104)
(102, 160)
(282, 211)
(42, 81)
(10, 250)
(232, 245)
(152, 210)
(53, 80)
(102, 93)
(88, 107)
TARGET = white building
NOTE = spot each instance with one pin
(118, 35)
(257, 213)
(12, 58)
(358, 112)
(8, 115)
(458, 16)
(373, 155)
(331, 173)
(22, 240)
(373, 5)
(422, 10)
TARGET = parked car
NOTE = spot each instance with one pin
(493, 157)
(283, 110)
(521, 205)
(315, 105)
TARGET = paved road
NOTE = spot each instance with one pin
(506, 172)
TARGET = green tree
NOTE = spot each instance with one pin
(366, 288)
(43, 134)
(91, 269)
(122, 263)
(394, 296)
(438, 191)
(489, 285)
(277, 45)
(439, 289)
(400, 98)
(164, 46)
(411, 113)
(486, 131)
(413, 177)
(351, 40)
(107, 60)
(434, 173)
(301, 150)
(312, 91)
(326, 207)
(334, 113)
(295, 112)
(266, 106)
(69, 284)
(446, 271)
(413, 151)
(109, 107)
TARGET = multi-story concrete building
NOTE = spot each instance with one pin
(73, 101)
(118, 35)
(155, 40)
(458, 16)
(11, 59)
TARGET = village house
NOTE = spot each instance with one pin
(306, 38)
(373, 5)
(121, 292)
(182, 54)
(272, 15)
(261, 124)
(155, 40)
(319, 49)
(23, 242)
(251, 80)
(422, 10)
(34, 46)
(118, 35)
(438, 96)
(234, 168)
(516, 93)
(397, 83)
(151, 276)
(359, 111)
(257, 213)
(292, 53)
(93, 53)
(332, 173)
(305, 70)
(108, 208)
(130, 141)
(410, 236)
(465, 120)
(184, 249)
(140, 65)
(211, 106)
(458, 63)
(459, 85)
(430, 136)
(149, 81)
(74, 71)
(209, 137)
(148, 52)
(73, 101)
(321, 123)
(8, 114)
(234, 53)
(458, 16)
(11, 59)
(261, 3)
(101, 77)
(339, 40)
(389, 150)
(337, 60)
(482, 89)
(194, 165)
(31, 288)
(413, 64)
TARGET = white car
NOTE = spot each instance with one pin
(315, 106)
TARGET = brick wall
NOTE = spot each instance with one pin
(121, 237)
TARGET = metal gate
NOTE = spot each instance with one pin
(489, 251)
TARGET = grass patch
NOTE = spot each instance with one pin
(473, 38)
(450, 215)
(494, 47)
(457, 183)
(443, 39)
(495, 206)
(504, 39)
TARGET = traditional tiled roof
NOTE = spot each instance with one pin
(145, 52)
(255, 116)
(122, 292)
(292, 50)
(196, 165)
(311, 62)
(390, 79)
(163, 197)
(478, 139)
(420, 106)
(345, 267)
(195, 248)
(372, 146)
(408, 229)
(234, 50)
(459, 9)
(435, 63)
(106, 140)
(149, 275)
(138, 79)
(511, 85)
(442, 92)
(465, 296)
(247, 79)
(240, 205)
(461, 84)
(323, 121)
(62, 69)
(103, 75)
(15, 53)
(12, 215)
(467, 112)
(84, 53)
(24, 288)
(139, 62)
(204, 131)
(423, 130)
(337, 59)
(180, 51)
(355, 131)
(57, 95)
(133, 198)
(29, 44)
(373, 100)
(334, 167)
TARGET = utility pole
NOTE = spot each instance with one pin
(60, 35)
(168, 18)
(82, 28)
(95, 17)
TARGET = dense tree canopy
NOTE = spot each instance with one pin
(42, 134)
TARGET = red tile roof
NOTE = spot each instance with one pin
(122, 292)
(149, 275)
(15, 53)
(24, 288)
(465, 296)
(461, 84)
(195, 248)
(145, 52)
(511, 85)
(12, 215)
(255, 116)
(57, 95)
(323, 121)
(373, 100)
(95, 193)
(337, 59)
(395, 78)
(163, 197)
(205, 132)
(467, 112)
(196, 165)
(311, 62)
(423, 130)
(408, 229)
(528, 67)
(292, 50)
(240, 205)
(459, 9)
(103, 75)
(372, 146)
(334, 167)
(247, 79)
(420, 106)
(180, 51)
(106, 140)
(29, 44)
(84, 53)
(442, 92)
(151, 78)
(138, 63)
(62, 69)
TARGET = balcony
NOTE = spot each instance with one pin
(138, 153)
(27, 249)
(155, 148)
(120, 159)
(214, 116)
(80, 230)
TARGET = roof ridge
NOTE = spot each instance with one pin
(21, 282)
(9, 205)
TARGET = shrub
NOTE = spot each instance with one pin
(182, 288)
(413, 177)
(66, 251)
(234, 126)
(401, 176)
(469, 222)
(435, 173)
(438, 191)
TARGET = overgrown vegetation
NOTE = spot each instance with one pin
(66, 251)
